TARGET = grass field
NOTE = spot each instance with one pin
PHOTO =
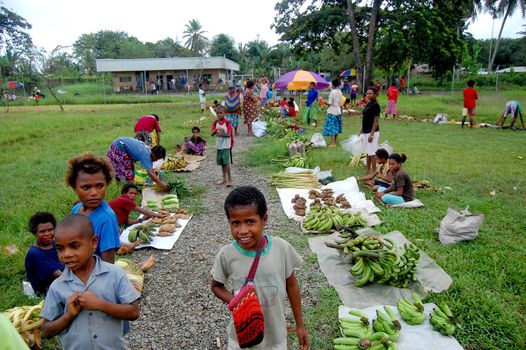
(489, 288)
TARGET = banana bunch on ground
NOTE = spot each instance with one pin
(360, 336)
(327, 217)
(144, 233)
(27, 321)
(412, 312)
(152, 204)
(374, 259)
(296, 161)
(443, 320)
(171, 164)
(388, 323)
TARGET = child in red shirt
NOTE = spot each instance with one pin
(292, 110)
(392, 99)
(125, 203)
(470, 103)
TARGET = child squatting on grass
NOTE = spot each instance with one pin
(223, 132)
(246, 211)
(89, 176)
(87, 304)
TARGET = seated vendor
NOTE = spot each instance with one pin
(195, 144)
(381, 177)
(401, 189)
(363, 102)
(42, 264)
(125, 203)
(291, 108)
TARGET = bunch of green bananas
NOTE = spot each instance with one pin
(143, 232)
(387, 323)
(171, 164)
(442, 319)
(403, 269)
(295, 161)
(412, 312)
(358, 335)
(326, 217)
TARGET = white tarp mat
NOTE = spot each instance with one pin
(348, 187)
(164, 243)
(419, 337)
(430, 276)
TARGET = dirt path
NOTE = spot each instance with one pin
(178, 309)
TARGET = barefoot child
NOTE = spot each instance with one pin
(223, 131)
(246, 211)
(382, 174)
(87, 304)
(42, 264)
(401, 189)
(89, 177)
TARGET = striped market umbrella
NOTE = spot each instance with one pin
(300, 80)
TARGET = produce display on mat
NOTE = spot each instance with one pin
(356, 160)
(300, 205)
(27, 321)
(388, 323)
(143, 233)
(296, 161)
(442, 319)
(170, 201)
(152, 204)
(412, 312)
(297, 179)
(377, 260)
(326, 217)
(326, 197)
(172, 164)
(359, 335)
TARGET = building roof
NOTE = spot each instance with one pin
(174, 63)
(518, 69)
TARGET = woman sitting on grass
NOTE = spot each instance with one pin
(382, 174)
(401, 189)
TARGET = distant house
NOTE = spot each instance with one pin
(167, 73)
(518, 69)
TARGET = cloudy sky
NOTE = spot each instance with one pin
(62, 22)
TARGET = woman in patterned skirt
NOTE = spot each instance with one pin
(250, 106)
(233, 107)
(333, 123)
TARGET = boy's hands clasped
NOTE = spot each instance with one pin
(83, 300)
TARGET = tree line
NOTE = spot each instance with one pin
(326, 35)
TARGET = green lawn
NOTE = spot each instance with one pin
(488, 292)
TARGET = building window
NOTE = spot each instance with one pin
(125, 79)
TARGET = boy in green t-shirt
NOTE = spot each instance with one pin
(246, 211)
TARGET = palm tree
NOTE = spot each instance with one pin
(195, 39)
(503, 8)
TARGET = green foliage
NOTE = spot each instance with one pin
(13, 30)
(195, 37)
(224, 45)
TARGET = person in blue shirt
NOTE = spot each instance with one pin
(124, 151)
(311, 112)
(89, 176)
(42, 264)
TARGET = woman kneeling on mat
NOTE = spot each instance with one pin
(401, 189)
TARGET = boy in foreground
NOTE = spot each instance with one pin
(87, 304)
(246, 211)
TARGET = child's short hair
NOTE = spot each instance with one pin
(347, 100)
(126, 187)
(88, 163)
(471, 83)
(200, 85)
(159, 152)
(284, 99)
(215, 102)
(382, 153)
(155, 116)
(246, 196)
(41, 217)
(196, 128)
(290, 103)
(250, 84)
(219, 109)
(82, 222)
